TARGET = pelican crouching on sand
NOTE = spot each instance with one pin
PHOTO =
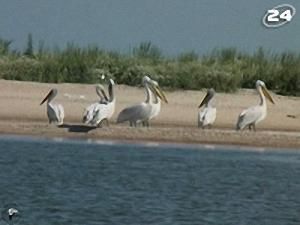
(105, 110)
(89, 112)
(207, 115)
(251, 116)
(142, 113)
(55, 112)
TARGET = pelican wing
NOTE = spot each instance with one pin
(101, 112)
(61, 114)
(55, 113)
(207, 116)
(89, 113)
(249, 116)
(135, 113)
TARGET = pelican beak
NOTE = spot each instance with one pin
(266, 93)
(160, 93)
(47, 96)
(204, 101)
(100, 90)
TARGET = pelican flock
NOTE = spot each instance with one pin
(55, 112)
(253, 115)
(145, 111)
(207, 115)
(102, 111)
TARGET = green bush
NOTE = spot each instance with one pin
(226, 70)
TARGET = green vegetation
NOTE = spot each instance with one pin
(226, 69)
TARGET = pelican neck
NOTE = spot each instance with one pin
(261, 96)
(111, 92)
(148, 94)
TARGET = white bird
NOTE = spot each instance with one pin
(89, 112)
(207, 115)
(156, 101)
(251, 116)
(105, 109)
(142, 112)
(55, 112)
(11, 212)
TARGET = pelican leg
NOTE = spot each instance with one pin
(106, 122)
(132, 123)
(254, 128)
(145, 123)
(99, 125)
(102, 122)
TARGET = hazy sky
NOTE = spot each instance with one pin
(173, 25)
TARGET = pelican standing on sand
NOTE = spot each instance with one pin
(207, 115)
(103, 110)
(156, 101)
(55, 112)
(251, 116)
(90, 110)
(146, 110)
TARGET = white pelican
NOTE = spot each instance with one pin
(55, 112)
(90, 110)
(156, 101)
(105, 109)
(142, 112)
(251, 116)
(207, 116)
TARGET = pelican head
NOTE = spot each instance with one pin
(157, 90)
(262, 85)
(52, 93)
(209, 95)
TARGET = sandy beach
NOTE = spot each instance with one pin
(21, 114)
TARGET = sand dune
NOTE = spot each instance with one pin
(21, 114)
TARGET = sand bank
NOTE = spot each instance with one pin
(21, 114)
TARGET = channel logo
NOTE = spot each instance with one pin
(279, 15)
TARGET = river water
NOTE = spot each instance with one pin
(83, 182)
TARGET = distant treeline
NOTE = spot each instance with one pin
(226, 70)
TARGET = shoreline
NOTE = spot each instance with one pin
(163, 135)
(146, 143)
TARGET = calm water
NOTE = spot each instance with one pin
(73, 182)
